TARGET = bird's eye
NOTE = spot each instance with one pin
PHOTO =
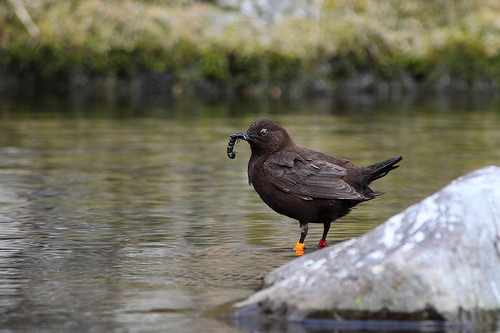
(264, 131)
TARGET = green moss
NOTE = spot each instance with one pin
(213, 65)
(426, 40)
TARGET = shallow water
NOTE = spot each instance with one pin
(128, 216)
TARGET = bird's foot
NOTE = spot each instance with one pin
(322, 244)
(299, 248)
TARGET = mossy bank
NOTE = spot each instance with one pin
(383, 46)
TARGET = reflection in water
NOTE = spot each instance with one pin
(142, 222)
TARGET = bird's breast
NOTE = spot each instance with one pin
(256, 170)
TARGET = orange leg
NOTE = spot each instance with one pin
(299, 247)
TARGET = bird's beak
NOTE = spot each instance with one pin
(243, 136)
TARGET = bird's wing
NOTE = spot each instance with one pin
(308, 178)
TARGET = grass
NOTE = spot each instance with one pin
(425, 42)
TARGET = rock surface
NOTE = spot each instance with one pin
(271, 10)
(438, 259)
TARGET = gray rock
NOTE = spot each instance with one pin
(273, 10)
(438, 259)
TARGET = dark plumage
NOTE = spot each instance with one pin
(304, 184)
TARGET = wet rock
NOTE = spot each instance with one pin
(438, 259)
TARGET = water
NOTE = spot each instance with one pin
(128, 216)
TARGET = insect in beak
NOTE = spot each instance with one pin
(232, 140)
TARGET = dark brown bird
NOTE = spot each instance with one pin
(304, 184)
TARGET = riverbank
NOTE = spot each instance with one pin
(383, 47)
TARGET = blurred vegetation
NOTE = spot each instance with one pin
(410, 42)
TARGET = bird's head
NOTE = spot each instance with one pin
(265, 137)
